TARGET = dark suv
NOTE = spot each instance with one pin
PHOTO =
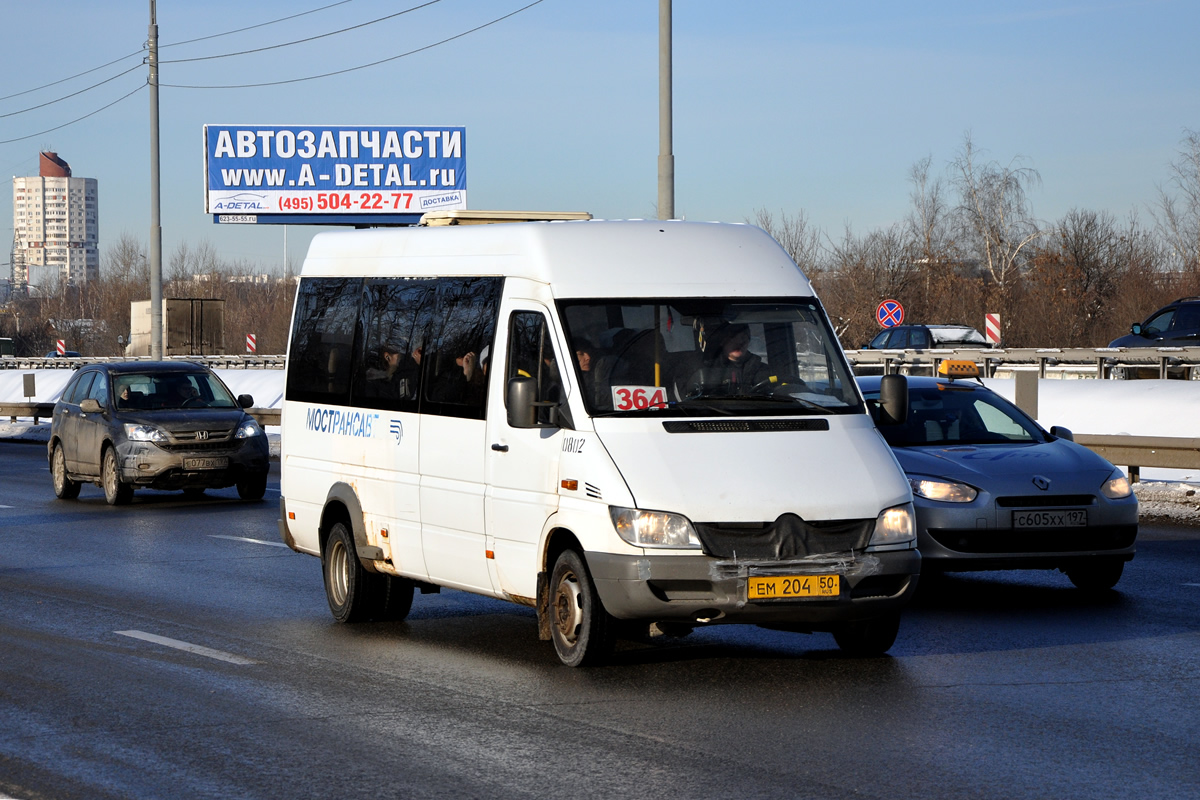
(926, 337)
(1174, 325)
(159, 425)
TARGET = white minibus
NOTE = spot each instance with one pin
(630, 426)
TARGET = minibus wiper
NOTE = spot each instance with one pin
(790, 400)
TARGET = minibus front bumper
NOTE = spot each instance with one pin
(701, 589)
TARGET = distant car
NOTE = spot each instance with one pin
(160, 425)
(67, 354)
(993, 490)
(1173, 325)
(926, 337)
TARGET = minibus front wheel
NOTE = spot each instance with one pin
(868, 637)
(582, 631)
(354, 594)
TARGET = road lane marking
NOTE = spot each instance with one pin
(220, 655)
(2, 797)
(247, 539)
(1192, 584)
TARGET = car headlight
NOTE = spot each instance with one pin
(895, 529)
(653, 528)
(144, 433)
(247, 429)
(942, 490)
(1117, 486)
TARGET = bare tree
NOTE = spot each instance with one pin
(994, 215)
(1178, 212)
(800, 239)
(866, 270)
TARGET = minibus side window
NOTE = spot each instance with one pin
(531, 355)
(396, 314)
(456, 361)
(323, 337)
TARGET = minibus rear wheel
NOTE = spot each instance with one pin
(582, 631)
(354, 594)
(868, 637)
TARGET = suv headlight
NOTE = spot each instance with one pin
(653, 528)
(1117, 486)
(942, 490)
(144, 433)
(247, 429)
(895, 529)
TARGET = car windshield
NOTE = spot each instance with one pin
(170, 390)
(949, 414)
(692, 356)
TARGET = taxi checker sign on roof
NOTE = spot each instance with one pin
(327, 171)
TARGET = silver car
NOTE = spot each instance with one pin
(993, 490)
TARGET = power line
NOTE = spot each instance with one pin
(68, 96)
(302, 41)
(250, 27)
(78, 119)
(73, 77)
(361, 66)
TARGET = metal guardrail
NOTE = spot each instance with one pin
(1096, 362)
(39, 411)
(1136, 452)
(216, 362)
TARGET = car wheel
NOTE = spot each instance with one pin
(582, 631)
(1193, 373)
(115, 492)
(354, 594)
(1118, 373)
(64, 487)
(1096, 576)
(252, 487)
(868, 637)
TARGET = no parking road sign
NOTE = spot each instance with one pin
(889, 314)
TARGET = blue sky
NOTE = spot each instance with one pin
(813, 107)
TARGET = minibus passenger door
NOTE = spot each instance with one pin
(523, 462)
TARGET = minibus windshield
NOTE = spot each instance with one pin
(707, 356)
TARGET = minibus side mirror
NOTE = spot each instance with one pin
(523, 408)
(893, 400)
(520, 398)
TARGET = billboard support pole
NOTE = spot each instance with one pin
(156, 320)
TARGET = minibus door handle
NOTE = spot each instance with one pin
(500, 448)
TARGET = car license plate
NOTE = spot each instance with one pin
(779, 587)
(205, 463)
(1050, 518)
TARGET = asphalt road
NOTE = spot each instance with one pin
(1000, 686)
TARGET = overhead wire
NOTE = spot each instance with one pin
(301, 41)
(252, 27)
(361, 66)
(73, 94)
(78, 119)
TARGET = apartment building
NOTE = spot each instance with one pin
(55, 228)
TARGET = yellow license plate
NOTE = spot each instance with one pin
(785, 586)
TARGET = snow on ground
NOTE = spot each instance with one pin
(1137, 408)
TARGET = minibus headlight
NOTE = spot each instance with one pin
(144, 433)
(942, 490)
(247, 429)
(653, 528)
(895, 529)
(1117, 486)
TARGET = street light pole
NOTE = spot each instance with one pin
(666, 160)
(156, 338)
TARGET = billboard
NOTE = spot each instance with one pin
(326, 173)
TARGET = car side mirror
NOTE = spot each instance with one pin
(1059, 432)
(246, 400)
(1136, 329)
(893, 400)
(91, 406)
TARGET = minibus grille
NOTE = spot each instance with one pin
(745, 425)
(787, 537)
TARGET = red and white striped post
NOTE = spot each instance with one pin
(251, 343)
(62, 347)
(992, 329)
